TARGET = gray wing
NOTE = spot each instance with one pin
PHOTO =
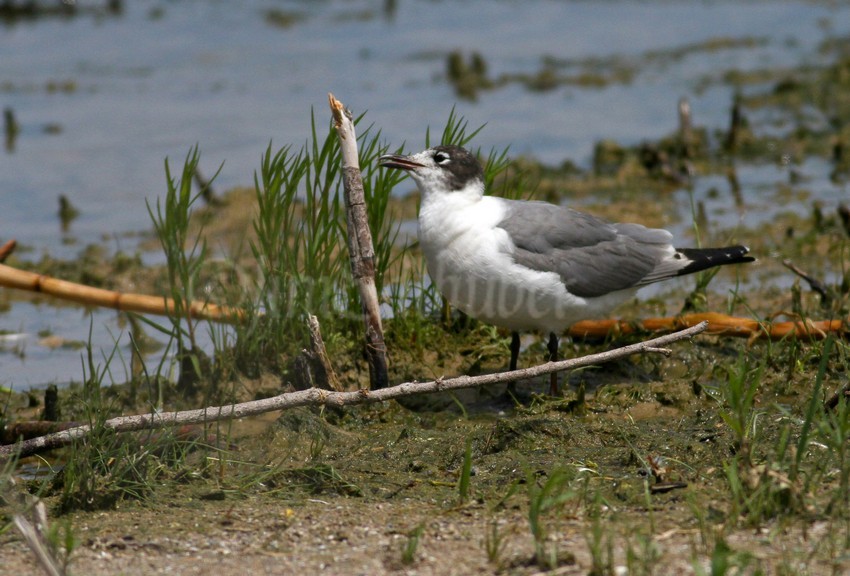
(592, 256)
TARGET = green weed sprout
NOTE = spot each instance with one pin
(463, 480)
(542, 500)
(411, 544)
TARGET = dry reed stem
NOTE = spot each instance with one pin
(23, 280)
(718, 324)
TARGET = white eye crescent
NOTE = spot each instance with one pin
(441, 157)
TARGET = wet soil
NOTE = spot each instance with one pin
(343, 492)
(636, 452)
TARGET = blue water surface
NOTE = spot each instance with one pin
(103, 99)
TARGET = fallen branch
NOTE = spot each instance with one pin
(319, 397)
(718, 325)
(30, 281)
(29, 429)
(11, 433)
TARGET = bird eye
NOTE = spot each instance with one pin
(441, 157)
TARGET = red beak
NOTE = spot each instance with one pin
(399, 162)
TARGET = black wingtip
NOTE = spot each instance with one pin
(704, 258)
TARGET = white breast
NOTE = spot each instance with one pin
(470, 261)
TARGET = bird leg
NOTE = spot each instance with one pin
(514, 356)
(553, 357)
(514, 350)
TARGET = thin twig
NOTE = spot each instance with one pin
(814, 284)
(319, 397)
(833, 400)
(206, 189)
(33, 533)
(7, 249)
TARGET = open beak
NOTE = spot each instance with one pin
(399, 162)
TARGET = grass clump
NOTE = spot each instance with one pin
(103, 468)
(411, 544)
(184, 255)
(797, 467)
(301, 263)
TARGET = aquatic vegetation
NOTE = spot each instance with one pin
(725, 456)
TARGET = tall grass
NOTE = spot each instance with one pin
(184, 254)
(300, 229)
(300, 246)
(103, 468)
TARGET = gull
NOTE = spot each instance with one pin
(530, 265)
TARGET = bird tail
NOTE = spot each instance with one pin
(697, 259)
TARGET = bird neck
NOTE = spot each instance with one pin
(439, 195)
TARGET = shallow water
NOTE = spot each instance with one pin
(103, 99)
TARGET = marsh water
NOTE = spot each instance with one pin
(103, 95)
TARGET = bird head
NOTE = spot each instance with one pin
(442, 169)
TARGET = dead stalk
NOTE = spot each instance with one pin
(360, 247)
(142, 303)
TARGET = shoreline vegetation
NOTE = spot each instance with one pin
(727, 456)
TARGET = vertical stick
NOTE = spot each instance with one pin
(51, 404)
(320, 356)
(360, 246)
(735, 124)
(685, 128)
